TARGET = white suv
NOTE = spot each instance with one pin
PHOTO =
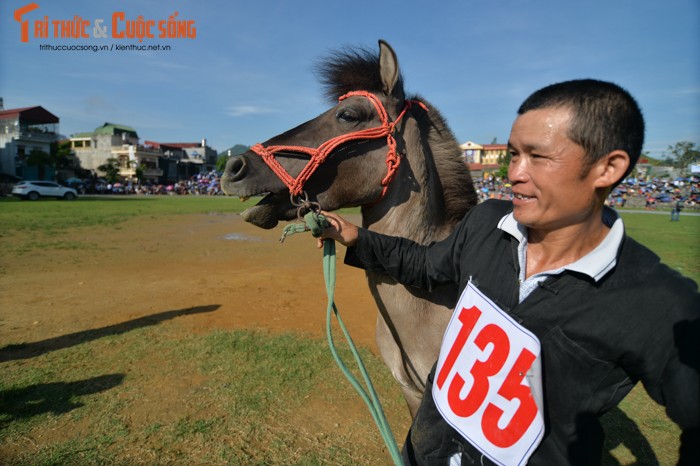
(33, 190)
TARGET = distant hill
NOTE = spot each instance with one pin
(235, 150)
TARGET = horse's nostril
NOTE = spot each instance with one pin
(237, 168)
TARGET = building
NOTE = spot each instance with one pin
(493, 154)
(471, 152)
(155, 162)
(22, 131)
(183, 160)
(486, 154)
(120, 142)
(483, 160)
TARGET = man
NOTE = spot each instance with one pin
(571, 313)
(676, 211)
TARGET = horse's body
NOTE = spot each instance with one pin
(430, 192)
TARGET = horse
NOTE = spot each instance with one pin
(394, 157)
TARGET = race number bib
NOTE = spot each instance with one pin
(488, 383)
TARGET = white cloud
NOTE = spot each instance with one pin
(246, 110)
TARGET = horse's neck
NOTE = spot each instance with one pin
(413, 207)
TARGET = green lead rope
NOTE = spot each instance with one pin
(315, 223)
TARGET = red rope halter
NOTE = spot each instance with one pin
(319, 155)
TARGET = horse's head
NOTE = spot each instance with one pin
(344, 157)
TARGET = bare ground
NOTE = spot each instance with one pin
(205, 272)
(143, 268)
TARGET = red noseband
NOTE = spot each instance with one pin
(319, 155)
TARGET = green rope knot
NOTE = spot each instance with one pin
(314, 222)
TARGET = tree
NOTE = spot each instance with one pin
(666, 161)
(61, 155)
(140, 173)
(503, 162)
(111, 170)
(221, 162)
(58, 157)
(39, 159)
(684, 153)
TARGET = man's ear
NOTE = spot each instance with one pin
(611, 168)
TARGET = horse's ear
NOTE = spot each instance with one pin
(389, 66)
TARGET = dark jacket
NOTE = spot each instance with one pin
(640, 322)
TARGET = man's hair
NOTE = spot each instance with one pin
(605, 117)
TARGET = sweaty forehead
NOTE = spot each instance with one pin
(540, 127)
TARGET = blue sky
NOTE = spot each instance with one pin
(248, 73)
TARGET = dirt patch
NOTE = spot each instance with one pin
(226, 273)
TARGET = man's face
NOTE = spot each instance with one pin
(546, 171)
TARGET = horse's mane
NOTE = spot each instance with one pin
(457, 187)
(353, 69)
(350, 69)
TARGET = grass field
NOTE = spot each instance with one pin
(235, 415)
(676, 243)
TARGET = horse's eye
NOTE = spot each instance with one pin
(347, 114)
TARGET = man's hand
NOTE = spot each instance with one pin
(340, 230)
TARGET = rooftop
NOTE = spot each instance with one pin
(172, 145)
(113, 128)
(30, 115)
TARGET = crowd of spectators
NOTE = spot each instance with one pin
(202, 184)
(491, 187)
(632, 192)
(655, 192)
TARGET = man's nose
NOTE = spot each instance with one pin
(517, 170)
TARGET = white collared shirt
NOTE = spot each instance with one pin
(595, 264)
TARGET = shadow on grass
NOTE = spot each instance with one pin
(30, 350)
(55, 397)
(621, 430)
